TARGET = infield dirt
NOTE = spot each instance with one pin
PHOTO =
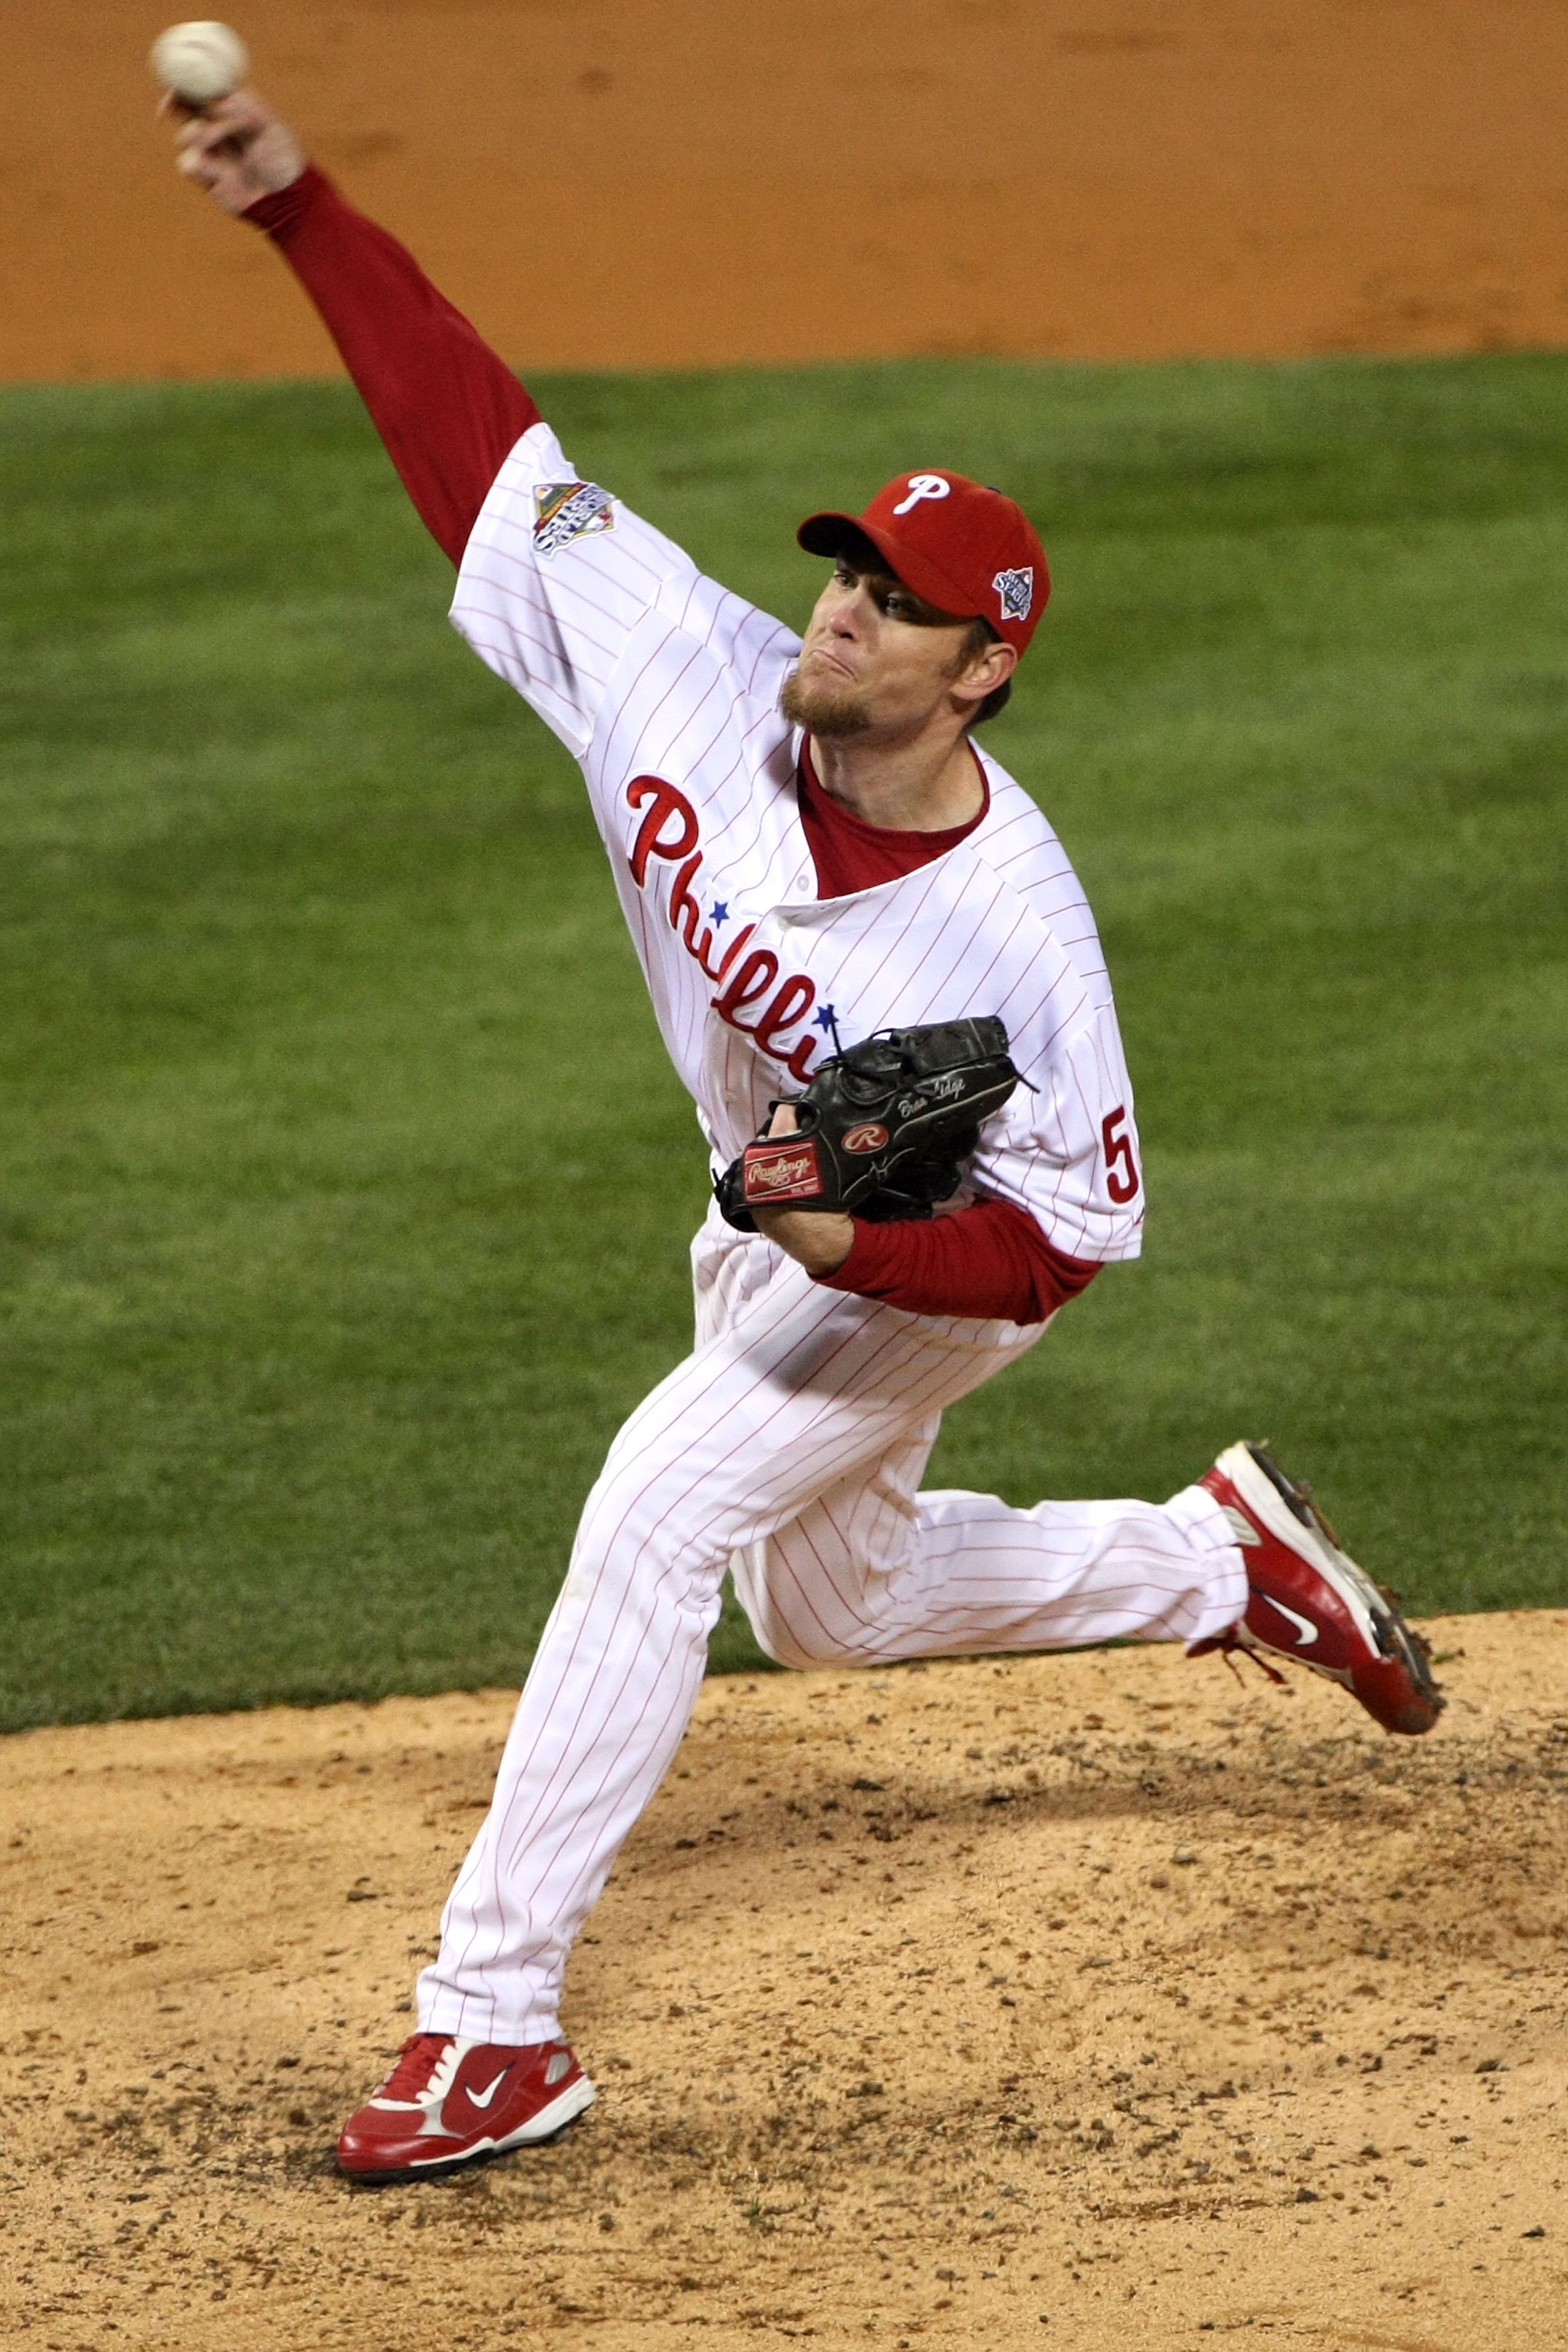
(1076, 2000)
(618, 184)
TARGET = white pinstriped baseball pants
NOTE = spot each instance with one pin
(789, 1447)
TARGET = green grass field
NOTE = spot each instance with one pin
(345, 1189)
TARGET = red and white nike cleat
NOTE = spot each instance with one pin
(447, 2101)
(1307, 1600)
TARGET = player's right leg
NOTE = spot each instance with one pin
(878, 1569)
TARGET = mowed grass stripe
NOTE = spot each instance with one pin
(346, 1190)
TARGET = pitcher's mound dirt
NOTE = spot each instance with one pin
(1078, 2001)
(611, 183)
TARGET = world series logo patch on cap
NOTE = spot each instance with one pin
(1016, 591)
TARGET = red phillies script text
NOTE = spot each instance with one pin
(751, 998)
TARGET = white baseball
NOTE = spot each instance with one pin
(199, 61)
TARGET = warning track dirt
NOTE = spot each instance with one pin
(608, 184)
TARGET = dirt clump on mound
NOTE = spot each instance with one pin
(1076, 2000)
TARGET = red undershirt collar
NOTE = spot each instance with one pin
(850, 855)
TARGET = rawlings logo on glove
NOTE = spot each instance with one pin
(882, 1131)
(782, 1173)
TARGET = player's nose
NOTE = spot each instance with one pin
(850, 610)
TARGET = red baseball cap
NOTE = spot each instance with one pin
(964, 548)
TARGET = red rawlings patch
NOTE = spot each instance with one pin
(773, 1172)
(869, 1137)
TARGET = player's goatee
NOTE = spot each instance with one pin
(821, 710)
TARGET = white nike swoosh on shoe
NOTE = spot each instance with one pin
(483, 2098)
(1308, 1632)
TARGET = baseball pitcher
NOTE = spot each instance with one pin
(876, 972)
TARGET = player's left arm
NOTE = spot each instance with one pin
(1058, 1171)
(990, 1261)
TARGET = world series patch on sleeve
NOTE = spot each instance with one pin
(882, 1130)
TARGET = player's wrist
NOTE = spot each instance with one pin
(281, 211)
(818, 1239)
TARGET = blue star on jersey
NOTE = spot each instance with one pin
(721, 913)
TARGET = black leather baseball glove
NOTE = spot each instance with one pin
(882, 1128)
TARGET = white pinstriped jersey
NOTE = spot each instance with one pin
(665, 688)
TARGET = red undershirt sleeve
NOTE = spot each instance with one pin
(991, 1260)
(446, 407)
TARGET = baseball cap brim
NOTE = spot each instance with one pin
(828, 534)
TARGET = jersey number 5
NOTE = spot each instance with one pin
(1121, 1168)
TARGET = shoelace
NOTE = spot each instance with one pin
(418, 2063)
(1230, 1649)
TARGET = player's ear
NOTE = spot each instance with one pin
(992, 666)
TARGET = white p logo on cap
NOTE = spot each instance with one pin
(923, 486)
